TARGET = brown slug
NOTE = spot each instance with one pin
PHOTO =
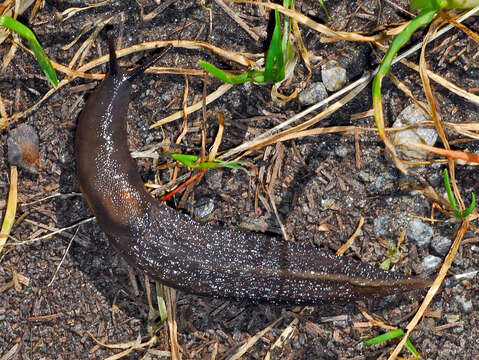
(196, 257)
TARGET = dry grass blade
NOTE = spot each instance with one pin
(184, 105)
(84, 49)
(11, 52)
(385, 139)
(285, 335)
(129, 346)
(241, 59)
(169, 295)
(219, 136)
(35, 239)
(428, 91)
(461, 27)
(63, 258)
(125, 345)
(434, 288)
(253, 340)
(83, 31)
(350, 241)
(466, 129)
(401, 86)
(158, 10)
(447, 84)
(374, 321)
(68, 13)
(321, 131)
(9, 218)
(238, 58)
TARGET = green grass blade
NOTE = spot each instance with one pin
(191, 161)
(392, 335)
(161, 303)
(471, 207)
(274, 70)
(37, 49)
(324, 8)
(227, 78)
(274, 64)
(452, 199)
(450, 195)
(384, 337)
(412, 348)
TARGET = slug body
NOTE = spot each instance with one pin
(195, 257)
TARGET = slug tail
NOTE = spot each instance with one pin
(114, 69)
(141, 69)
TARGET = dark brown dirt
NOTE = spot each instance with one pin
(93, 290)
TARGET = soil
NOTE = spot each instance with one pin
(320, 181)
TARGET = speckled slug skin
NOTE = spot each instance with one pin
(195, 257)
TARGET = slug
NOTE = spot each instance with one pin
(195, 257)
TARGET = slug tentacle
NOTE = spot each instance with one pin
(201, 258)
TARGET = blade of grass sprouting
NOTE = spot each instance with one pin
(386, 264)
(37, 49)
(274, 70)
(191, 162)
(471, 207)
(452, 199)
(389, 336)
(384, 337)
(274, 64)
(255, 76)
(9, 218)
(450, 195)
(412, 348)
(324, 8)
(161, 303)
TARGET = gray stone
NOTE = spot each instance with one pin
(204, 207)
(440, 245)
(464, 303)
(23, 148)
(431, 263)
(419, 232)
(341, 151)
(412, 115)
(381, 225)
(333, 75)
(313, 93)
